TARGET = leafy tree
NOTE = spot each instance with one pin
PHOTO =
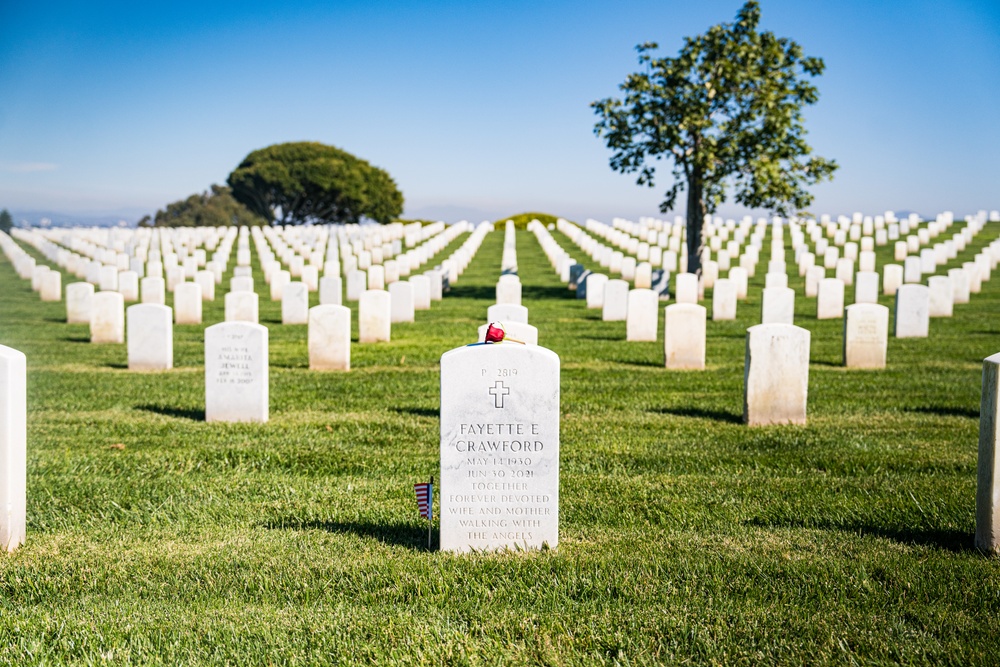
(727, 111)
(6, 221)
(213, 208)
(297, 183)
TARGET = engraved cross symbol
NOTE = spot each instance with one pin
(499, 390)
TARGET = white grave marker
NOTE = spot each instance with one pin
(330, 338)
(13, 448)
(776, 375)
(499, 448)
(236, 372)
(150, 337)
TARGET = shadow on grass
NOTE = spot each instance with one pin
(540, 293)
(474, 292)
(969, 413)
(75, 339)
(601, 338)
(955, 541)
(417, 412)
(114, 364)
(701, 413)
(179, 413)
(57, 320)
(824, 362)
(398, 534)
(640, 363)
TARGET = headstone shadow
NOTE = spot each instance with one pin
(398, 534)
(701, 413)
(970, 413)
(955, 541)
(194, 414)
(75, 339)
(418, 412)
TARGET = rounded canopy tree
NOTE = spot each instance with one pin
(308, 182)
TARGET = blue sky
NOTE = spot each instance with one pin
(477, 109)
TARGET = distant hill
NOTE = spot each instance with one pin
(35, 218)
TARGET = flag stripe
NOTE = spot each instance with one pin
(425, 499)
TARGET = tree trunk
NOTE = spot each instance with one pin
(695, 219)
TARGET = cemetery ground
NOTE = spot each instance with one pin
(685, 536)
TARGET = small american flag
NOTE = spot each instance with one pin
(425, 499)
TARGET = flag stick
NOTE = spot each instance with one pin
(430, 514)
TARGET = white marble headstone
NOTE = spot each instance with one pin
(866, 335)
(401, 297)
(242, 307)
(374, 316)
(295, 303)
(912, 311)
(236, 372)
(517, 331)
(778, 305)
(79, 302)
(684, 336)
(13, 448)
(150, 337)
(642, 316)
(776, 375)
(107, 318)
(596, 282)
(507, 312)
(187, 303)
(615, 300)
(988, 468)
(330, 338)
(499, 448)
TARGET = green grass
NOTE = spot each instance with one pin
(685, 537)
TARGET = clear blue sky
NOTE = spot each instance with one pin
(477, 109)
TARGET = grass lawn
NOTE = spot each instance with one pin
(685, 537)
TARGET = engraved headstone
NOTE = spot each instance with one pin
(499, 448)
(13, 448)
(330, 338)
(150, 337)
(236, 372)
(776, 375)
(866, 335)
